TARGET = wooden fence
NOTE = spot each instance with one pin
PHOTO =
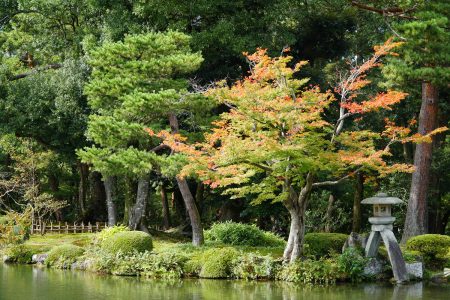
(50, 227)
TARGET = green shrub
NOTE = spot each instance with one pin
(21, 254)
(322, 271)
(64, 256)
(253, 266)
(128, 242)
(238, 234)
(218, 262)
(108, 232)
(193, 265)
(431, 246)
(15, 227)
(166, 265)
(352, 263)
(323, 244)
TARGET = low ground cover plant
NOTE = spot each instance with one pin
(238, 234)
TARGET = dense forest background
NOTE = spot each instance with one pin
(46, 52)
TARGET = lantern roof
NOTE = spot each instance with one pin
(382, 198)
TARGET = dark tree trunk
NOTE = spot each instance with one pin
(138, 210)
(296, 205)
(416, 215)
(165, 207)
(178, 205)
(98, 198)
(189, 201)
(110, 183)
(194, 216)
(83, 169)
(130, 198)
(358, 197)
(329, 213)
(199, 196)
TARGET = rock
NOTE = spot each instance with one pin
(355, 240)
(374, 267)
(39, 258)
(446, 272)
(6, 259)
(414, 270)
(439, 278)
(82, 265)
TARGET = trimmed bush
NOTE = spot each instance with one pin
(431, 246)
(107, 233)
(323, 271)
(218, 262)
(238, 234)
(128, 242)
(64, 256)
(19, 254)
(323, 244)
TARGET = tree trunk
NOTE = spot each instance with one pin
(328, 215)
(83, 187)
(165, 206)
(189, 201)
(199, 197)
(130, 198)
(358, 197)
(416, 215)
(296, 205)
(110, 195)
(97, 198)
(194, 216)
(138, 210)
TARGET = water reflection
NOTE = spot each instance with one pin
(26, 282)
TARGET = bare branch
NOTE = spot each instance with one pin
(34, 71)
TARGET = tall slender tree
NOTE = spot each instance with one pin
(138, 83)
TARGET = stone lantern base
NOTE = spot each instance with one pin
(382, 230)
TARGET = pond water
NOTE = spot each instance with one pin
(28, 282)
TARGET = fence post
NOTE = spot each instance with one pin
(82, 227)
(97, 226)
(67, 228)
(89, 227)
(51, 227)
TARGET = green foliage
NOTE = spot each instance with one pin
(15, 227)
(251, 266)
(322, 271)
(166, 265)
(137, 84)
(107, 233)
(64, 256)
(424, 56)
(431, 246)
(218, 262)
(20, 254)
(239, 234)
(128, 242)
(169, 264)
(352, 264)
(324, 244)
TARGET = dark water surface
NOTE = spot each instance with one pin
(28, 282)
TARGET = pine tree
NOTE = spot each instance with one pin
(136, 84)
(423, 61)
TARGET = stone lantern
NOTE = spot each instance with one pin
(382, 221)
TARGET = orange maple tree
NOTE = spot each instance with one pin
(275, 142)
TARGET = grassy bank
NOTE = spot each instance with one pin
(230, 251)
